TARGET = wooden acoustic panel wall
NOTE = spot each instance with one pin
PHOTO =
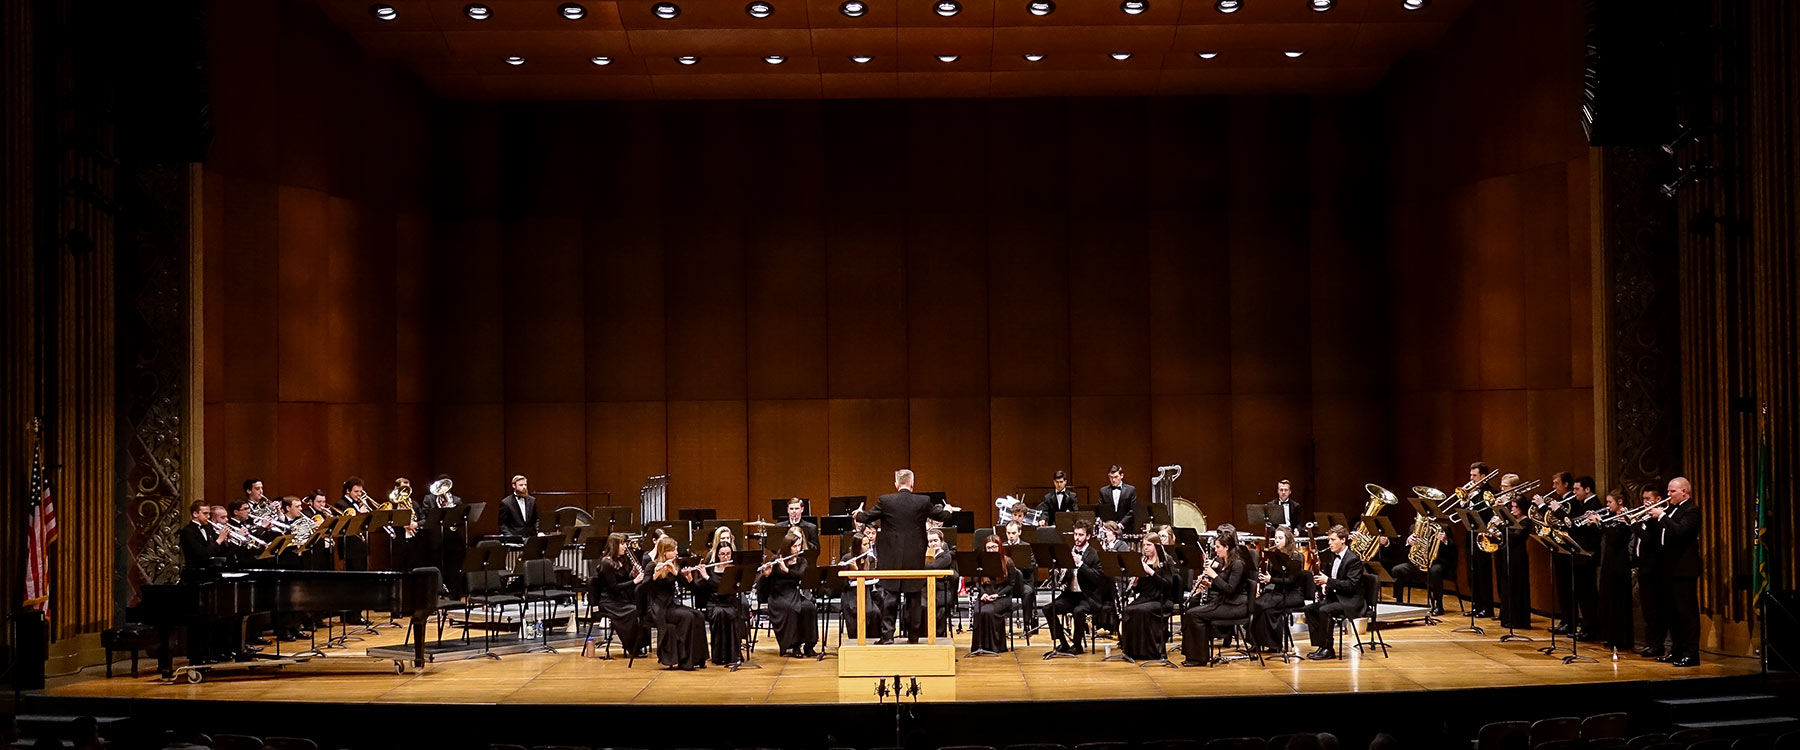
(319, 230)
(1488, 255)
(795, 299)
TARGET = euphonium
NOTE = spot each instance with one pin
(1425, 542)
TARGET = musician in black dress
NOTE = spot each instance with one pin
(1652, 594)
(1338, 592)
(1227, 577)
(201, 543)
(793, 614)
(681, 630)
(614, 593)
(1680, 523)
(939, 557)
(1060, 499)
(1514, 560)
(1084, 593)
(862, 556)
(1284, 585)
(1144, 623)
(1616, 630)
(727, 616)
(995, 597)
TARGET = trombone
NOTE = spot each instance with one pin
(1445, 502)
(1628, 515)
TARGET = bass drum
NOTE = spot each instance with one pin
(1187, 515)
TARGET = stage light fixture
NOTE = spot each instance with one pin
(1684, 177)
(384, 12)
(1412, 4)
(774, 59)
(947, 8)
(1040, 7)
(1683, 138)
(1206, 55)
(1293, 53)
(571, 11)
(1033, 57)
(860, 59)
(946, 58)
(600, 60)
(666, 11)
(515, 60)
(477, 11)
(687, 59)
(1121, 55)
(1134, 7)
(853, 8)
(1323, 5)
(759, 9)
(1228, 6)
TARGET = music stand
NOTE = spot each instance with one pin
(963, 520)
(937, 497)
(1325, 520)
(611, 518)
(1159, 514)
(1574, 549)
(979, 565)
(1471, 522)
(1117, 566)
(1510, 523)
(1052, 557)
(737, 579)
(697, 515)
(842, 506)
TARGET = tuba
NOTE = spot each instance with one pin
(1425, 542)
(1363, 542)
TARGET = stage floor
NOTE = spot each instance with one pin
(1421, 657)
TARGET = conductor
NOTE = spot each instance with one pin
(901, 546)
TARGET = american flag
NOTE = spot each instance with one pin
(40, 533)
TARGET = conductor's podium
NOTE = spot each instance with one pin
(932, 663)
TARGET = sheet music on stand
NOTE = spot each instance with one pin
(653, 498)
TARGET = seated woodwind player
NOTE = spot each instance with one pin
(793, 614)
(995, 597)
(1284, 587)
(862, 556)
(940, 557)
(681, 642)
(1144, 623)
(1227, 577)
(613, 590)
(727, 616)
(1339, 592)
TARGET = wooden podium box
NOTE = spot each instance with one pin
(928, 659)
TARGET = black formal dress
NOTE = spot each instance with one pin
(1515, 592)
(1616, 629)
(1342, 597)
(518, 516)
(1117, 504)
(727, 619)
(988, 632)
(1653, 593)
(1056, 502)
(614, 593)
(792, 613)
(1230, 600)
(901, 546)
(878, 627)
(1085, 591)
(199, 551)
(1405, 573)
(1681, 573)
(1285, 592)
(681, 630)
(1144, 623)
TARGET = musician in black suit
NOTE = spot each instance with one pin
(1117, 500)
(1085, 591)
(1646, 554)
(1680, 523)
(1060, 499)
(1480, 564)
(1616, 630)
(1405, 573)
(1558, 505)
(200, 544)
(901, 545)
(796, 519)
(354, 548)
(1285, 511)
(1586, 567)
(1341, 592)
(518, 511)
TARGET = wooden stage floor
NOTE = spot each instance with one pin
(1422, 657)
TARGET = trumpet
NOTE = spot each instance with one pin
(1628, 515)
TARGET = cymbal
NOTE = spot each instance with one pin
(762, 524)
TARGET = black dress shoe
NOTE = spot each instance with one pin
(1651, 652)
(1667, 658)
(1686, 661)
(1582, 635)
(1322, 654)
(1562, 629)
(356, 621)
(1192, 663)
(1437, 611)
(884, 641)
(257, 641)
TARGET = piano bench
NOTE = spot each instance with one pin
(133, 638)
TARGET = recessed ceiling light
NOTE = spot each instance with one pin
(571, 11)
(384, 12)
(1033, 57)
(600, 60)
(860, 59)
(1206, 55)
(1412, 4)
(1322, 5)
(687, 59)
(1228, 6)
(759, 9)
(515, 60)
(946, 58)
(774, 59)
(1134, 7)
(1040, 7)
(1121, 55)
(947, 8)
(1293, 53)
(853, 8)
(477, 11)
(666, 10)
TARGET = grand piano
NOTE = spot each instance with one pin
(242, 593)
